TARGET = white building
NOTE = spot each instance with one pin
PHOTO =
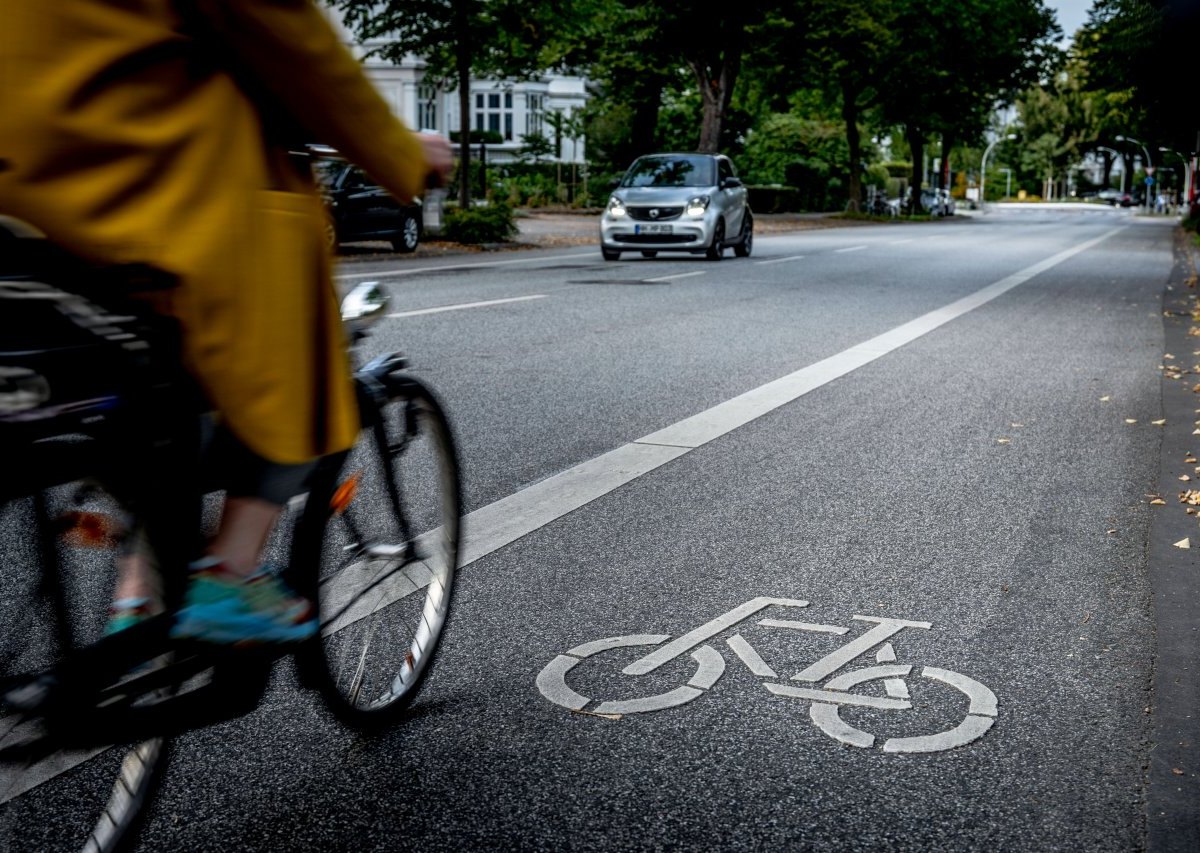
(512, 108)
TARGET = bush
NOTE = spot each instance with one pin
(774, 199)
(491, 224)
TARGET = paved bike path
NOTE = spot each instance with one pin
(875, 496)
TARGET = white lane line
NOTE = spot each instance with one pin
(677, 275)
(849, 249)
(492, 527)
(415, 270)
(780, 260)
(462, 305)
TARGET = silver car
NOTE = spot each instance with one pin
(678, 203)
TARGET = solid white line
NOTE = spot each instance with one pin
(780, 260)
(501, 523)
(677, 275)
(415, 270)
(462, 305)
(850, 249)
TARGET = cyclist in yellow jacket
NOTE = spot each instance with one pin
(156, 132)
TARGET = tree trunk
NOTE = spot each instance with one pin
(643, 130)
(854, 143)
(916, 143)
(716, 80)
(944, 173)
(462, 63)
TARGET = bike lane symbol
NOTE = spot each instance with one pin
(825, 701)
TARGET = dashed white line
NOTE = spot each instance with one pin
(463, 305)
(677, 275)
(780, 260)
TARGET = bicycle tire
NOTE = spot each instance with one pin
(389, 557)
(47, 614)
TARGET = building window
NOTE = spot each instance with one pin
(534, 124)
(427, 107)
(494, 111)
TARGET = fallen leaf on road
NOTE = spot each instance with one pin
(1176, 771)
(594, 714)
(1185, 477)
(1168, 355)
(1131, 420)
(1158, 502)
(1159, 423)
(1184, 543)
(1190, 497)
(1189, 459)
(1111, 532)
(1004, 441)
(1105, 399)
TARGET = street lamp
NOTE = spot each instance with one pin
(1007, 182)
(983, 169)
(1149, 162)
(1187, 171)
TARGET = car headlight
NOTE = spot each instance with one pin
(616, 207)
(696, 206)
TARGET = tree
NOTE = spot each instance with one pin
(955, 61)
(458, 39)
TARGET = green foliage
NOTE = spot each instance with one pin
(775, 199)
(491, 224)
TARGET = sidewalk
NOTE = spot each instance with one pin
(1173, 774)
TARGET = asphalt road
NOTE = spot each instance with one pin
(953, 424)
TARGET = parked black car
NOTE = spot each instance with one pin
(359, 209)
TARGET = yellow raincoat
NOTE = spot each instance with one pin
(155, 131)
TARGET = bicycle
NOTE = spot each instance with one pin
(825, 701)
(374, 542)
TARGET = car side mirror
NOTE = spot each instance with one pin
(730, 183)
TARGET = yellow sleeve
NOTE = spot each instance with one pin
(294, 53)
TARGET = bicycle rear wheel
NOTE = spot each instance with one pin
(389, 557)
(57, 577)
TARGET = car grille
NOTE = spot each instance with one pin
(653, 238)
(642, 214)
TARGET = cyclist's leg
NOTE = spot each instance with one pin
(231, 598)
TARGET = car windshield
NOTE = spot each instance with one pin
(674, 171)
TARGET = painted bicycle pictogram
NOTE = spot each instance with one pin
(826, 697)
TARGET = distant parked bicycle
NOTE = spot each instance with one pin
(374, 542)
(839, 691)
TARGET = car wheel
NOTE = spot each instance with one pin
(717, 248)
(410, 235)
(649, 253)
(746, 244)
(610, 254)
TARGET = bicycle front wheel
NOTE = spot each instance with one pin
(389, 558)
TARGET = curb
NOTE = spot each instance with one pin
(1173, 769)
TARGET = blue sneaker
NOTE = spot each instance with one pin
(127, 612)
(222, 608)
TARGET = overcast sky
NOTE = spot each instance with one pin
(1071, 14)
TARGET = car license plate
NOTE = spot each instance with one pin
(652, 229)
